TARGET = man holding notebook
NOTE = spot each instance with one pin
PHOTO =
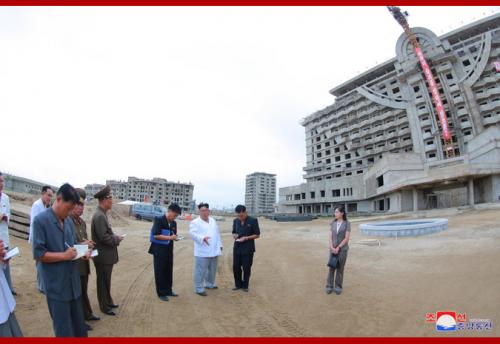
(53, 241)
(162, 237)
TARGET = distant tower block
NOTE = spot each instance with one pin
(260, 193)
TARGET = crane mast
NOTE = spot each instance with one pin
(431, 83)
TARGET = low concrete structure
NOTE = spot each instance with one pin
(24, 185)
(404, 228)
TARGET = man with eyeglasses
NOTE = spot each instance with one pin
(106, 243)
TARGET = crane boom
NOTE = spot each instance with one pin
(431, 83)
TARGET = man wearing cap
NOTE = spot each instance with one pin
(53, 242)
(106, 243)
(245, 231)
(81, 237)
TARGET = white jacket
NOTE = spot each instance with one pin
(37, 208)
(198, 229)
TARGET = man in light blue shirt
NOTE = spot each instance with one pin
(53, 240)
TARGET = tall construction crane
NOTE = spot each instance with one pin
(431, 83)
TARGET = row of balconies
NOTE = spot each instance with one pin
(491, 120)
(383, 137)
(483, 82)
(339, 113)
(490, 106)
(354, 126)
(486, 93)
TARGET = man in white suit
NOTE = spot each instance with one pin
(207, 247)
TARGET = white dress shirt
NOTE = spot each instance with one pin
(338, 226)
(7, 302)
(4, 226)
(198, 229)
(36, 209)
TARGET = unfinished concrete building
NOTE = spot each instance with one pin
(260, 193)
(157, 191)
(378, 147)
(92, 189)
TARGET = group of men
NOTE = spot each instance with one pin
(64, 278)
(62, 274)
(54, 231)
(205, 233)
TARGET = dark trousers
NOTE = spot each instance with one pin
(242, 267)
(163, 268)
(87, 308)
(67, 318)
(103, 275)
(337, 273)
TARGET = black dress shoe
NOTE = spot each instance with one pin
(114, 306)
(93, 317)
(88, 327)
(14, 293)
(214, 287)
(173, 294)
(245, 290)
(110, 313)
(202, 293)
(236, 288)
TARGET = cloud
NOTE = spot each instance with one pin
(205, 95)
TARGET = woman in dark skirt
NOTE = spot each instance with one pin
(338, 238)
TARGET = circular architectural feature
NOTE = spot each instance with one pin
(404, 228)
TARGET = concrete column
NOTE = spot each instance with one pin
(415, 199)
(470, 189)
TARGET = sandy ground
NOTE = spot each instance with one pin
(388, 289)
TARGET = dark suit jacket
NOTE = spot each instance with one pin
(250, 227)
(164, 251)
(106, 242)
(337, 238)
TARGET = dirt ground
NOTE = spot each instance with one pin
(388, 289)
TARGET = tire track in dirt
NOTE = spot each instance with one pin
(269, 322)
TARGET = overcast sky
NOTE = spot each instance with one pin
(201, 95)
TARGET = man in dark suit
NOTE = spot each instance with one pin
(245, 231)
(163, 235)
(106, 243)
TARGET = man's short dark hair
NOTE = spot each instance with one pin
(240, 208)
(68, 193)
(203, 205)
(175, 208)
(45, 188)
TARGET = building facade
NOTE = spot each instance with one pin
(24, 185)
(92, 189)
(157, 191)
(378, 147)
(260, 193)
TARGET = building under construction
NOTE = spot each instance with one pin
(381, 146)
